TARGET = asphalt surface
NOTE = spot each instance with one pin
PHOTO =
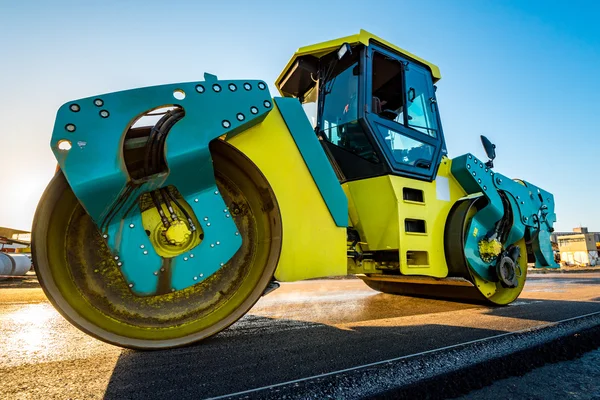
(300, 330)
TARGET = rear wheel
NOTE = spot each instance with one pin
(82, 280)
(464, 284)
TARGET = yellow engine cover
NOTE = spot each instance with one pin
(313, 245)
(407, 215)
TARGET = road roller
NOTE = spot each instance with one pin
(174, 208)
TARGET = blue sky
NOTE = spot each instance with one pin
(524, 73)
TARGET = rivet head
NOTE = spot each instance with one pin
(470, 156)
(216, 87)
(232, 87)
(74, 107)
(267, 103)
(142, 246)
(226, 124)
(225, 210)
(261, 86)
(474, 174)
(522, 202)
(216, 192)
(498, 181)
(70, 128)
(172, 289)
(116, 257)
(131, 285)
(240, 117)
(195, 200)
(191, 256)
(206, 218)
(105, 236)
(104, 113)
(247, 86)
(237, 234)
(199, 88)
(218, 243)
(485, 188)
(201, 275)
(98, 102)
(119, 263)
(162, 270)
(195, 278)
(185, 258)
(254, 110)
(468, 166)
(478, 180)
(227, 216)
(131, 225)
(212, 245)
(155, 273)
(208, 224)
(145, 252)
(222, 264)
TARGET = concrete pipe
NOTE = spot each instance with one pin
(14, 264)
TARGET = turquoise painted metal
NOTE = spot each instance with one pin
(315, 158)
(95, 170)
(532, 209)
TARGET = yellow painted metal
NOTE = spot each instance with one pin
(320, 49)
(313, 246)
(177, 239)
(378, 212)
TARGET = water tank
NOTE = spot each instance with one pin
(14, 264)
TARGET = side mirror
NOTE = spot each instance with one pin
(490, 150)
(343, 50)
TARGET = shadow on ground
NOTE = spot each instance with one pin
(259, 351)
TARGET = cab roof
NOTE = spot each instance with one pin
(363, 37)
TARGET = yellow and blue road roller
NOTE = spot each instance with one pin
(176, 207)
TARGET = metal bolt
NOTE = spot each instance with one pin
(212, 245)
(191, 255)
(195, 200)
(195, 278)
(105, 236)
(518, 197)
(474, 173)
(522, 202)
(225, 210)
(218, 243)
(484, 187)
(116, 257)
(131, 285)
(470, 156)
(201, 275)
(145, 252)
(208, 224)
(206, 218)
(237, 234)
(478, 180)
(162, 270)
(468, 166)
(498, 181)
(119, 263)
(131, 225)
(185, 258)
(142, 246)
(222, 264)
(216, 192)
(227, 216)
(172, 289)
(155, 273)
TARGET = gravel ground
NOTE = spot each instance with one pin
(576, 379)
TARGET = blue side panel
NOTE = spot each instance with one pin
(315, 159)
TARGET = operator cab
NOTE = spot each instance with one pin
(373, 107)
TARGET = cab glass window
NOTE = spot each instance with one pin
(387, 98)
(406, 150)
(421, 102)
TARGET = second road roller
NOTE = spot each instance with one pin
(174, 208)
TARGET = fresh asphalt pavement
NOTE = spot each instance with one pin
(300, 330)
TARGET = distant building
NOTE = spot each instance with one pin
(576, 231)
(578, 247)
(14, 240)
